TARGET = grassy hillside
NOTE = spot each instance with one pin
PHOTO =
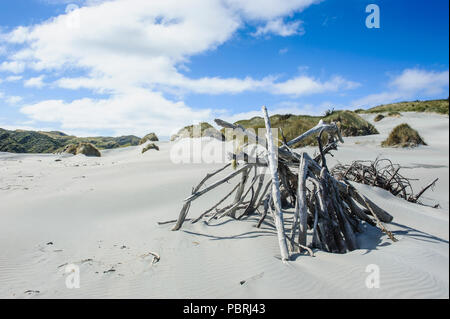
(436, 106)
(351, 124)
(20, 141)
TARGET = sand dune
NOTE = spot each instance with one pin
(101, 214)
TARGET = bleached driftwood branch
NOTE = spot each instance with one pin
(331, 209)
(273, 167)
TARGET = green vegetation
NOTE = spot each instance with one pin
(403, 136)
(88, 149)
(20, 141)
(151, 146)
(378, 118)
(205, 130)
(149, 137)
(350, 123)
(71, 149)
(435, 106)
(394, 114)
(82, 148)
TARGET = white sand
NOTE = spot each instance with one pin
(105, 210)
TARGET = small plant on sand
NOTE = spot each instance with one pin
(71, 149)
(200, 130)
(394, 114)
(378, 118)
(151, 146)
(88, 149)
(403, 136)
(152, 137)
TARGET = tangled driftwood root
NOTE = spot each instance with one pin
(331, 209)
(381, 173)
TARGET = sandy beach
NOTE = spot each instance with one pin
(102, 215)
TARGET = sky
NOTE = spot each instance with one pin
(120, 67)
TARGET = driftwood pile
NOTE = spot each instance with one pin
(381, 173)
(330, 209)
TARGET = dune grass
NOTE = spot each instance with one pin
(152, 137)
(394, 114)
(434, 106)
(378, 118)
(151, 146)
(403, 135)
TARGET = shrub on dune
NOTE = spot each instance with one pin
(378, 118)
(151, 146)
(149, 137)
(403, 136)
(201, 130)
(71, 149)
(394, 114)
(88, 149)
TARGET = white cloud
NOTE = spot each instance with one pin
(409, 84)
(269, 9)
(304, 85)
(145, 111)
(416, 80)
(133, 53)
(12, 66)
(12, 100)
(279, 27)
(36, 82)
(13, 78)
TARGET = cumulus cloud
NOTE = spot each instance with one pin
(269, 9)
(12, 100)
(408, 84)
(13, 78)
(12, 66)
(144, 111)
(304, 85)
(281, 28)
(36, 82)
(133, 53)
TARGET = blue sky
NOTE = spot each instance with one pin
(131, 67)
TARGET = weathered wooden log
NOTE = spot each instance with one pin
(187, 204)
(302, 208)
(278, 215)
(215, 206)
(332, 128)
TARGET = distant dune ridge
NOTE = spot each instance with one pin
(21, 141)
(429, 106)
(350, 123)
